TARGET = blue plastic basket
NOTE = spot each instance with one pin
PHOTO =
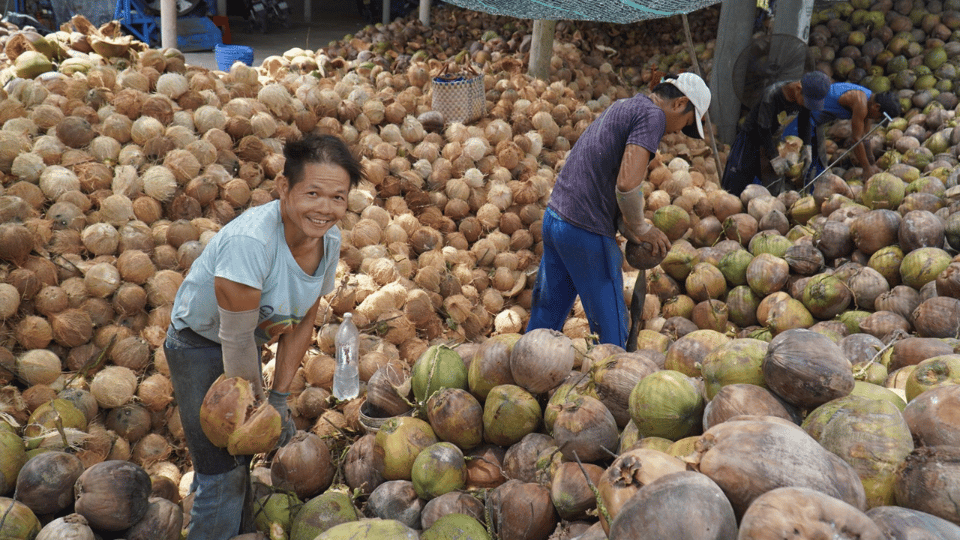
(228, 54)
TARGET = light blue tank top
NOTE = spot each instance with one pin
(831, 104)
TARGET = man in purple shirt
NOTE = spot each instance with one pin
(598, 192)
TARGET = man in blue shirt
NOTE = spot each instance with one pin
(848, 101)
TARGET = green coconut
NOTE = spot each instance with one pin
(687, 353)
(399, 441)
(321, 513)
(883, 190)
(276, 510)
(672, 220)
(370, 529)
(56, 412)
(455, 527)
(923, 265)
(871, 435)
(733, 265)
(30, 64)
(742, 304)
(438, 469)
(825, 296)
(852, 319)
(570, 389)
(683, 447)
(438, 367)
(12, 457)
(887, 262)
(654, 443)
(770, 242)
(19, 522)
(680, 260)
(877, 392)
(667, 404)
(629, 437)
(680, 305)
(871, 372)
(737, 361)
(509, 413)
(788, 315)
(933, 372)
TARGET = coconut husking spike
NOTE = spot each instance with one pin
(886, 118)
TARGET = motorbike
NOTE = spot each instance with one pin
(261, 13)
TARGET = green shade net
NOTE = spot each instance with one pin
(613, 11)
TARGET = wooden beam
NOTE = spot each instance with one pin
(541, 48)
(386, 12)
(168, 24)
(708, 125)
(425, 12)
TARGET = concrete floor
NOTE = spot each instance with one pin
(314, 35)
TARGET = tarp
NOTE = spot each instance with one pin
(613, 11)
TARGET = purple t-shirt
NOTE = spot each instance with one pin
(585, 191)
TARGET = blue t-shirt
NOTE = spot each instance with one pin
(585, 191)
(252, 250)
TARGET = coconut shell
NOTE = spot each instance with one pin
(521, 511)
(898, 522)
(735, 400)
(929, 481)
(806, 369)
(751, 456)
(303, 466)
(938, 317)
(362, 465)
(455, 502)
(113, 495)
(541, 359)
(628, 474)
(910, 351)
(396, 500)
(647, 514)
(45, 483)
(933, 416)
(805, 513)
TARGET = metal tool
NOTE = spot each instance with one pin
(886, 118)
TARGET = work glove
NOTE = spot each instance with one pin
(279, 402)
(241, 356)
(632, 225)
(807, 155)
(780, 165)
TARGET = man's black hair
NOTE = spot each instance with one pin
(667, 90)
(320, 149)
(889, 104)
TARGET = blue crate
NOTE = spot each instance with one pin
(228, 54)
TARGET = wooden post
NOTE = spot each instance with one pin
(541, 48)
(307, 10)
(168, 24)
(707, 125)
(425, 12)
(386, 12)
(734, 32)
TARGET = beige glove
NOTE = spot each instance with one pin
(632, 226)
(241, 356)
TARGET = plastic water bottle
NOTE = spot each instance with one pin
(346, 377)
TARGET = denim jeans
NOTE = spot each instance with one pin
(221, 481)
(579, 262)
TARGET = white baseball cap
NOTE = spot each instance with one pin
(697, 92)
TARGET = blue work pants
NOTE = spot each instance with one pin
(579, 262)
